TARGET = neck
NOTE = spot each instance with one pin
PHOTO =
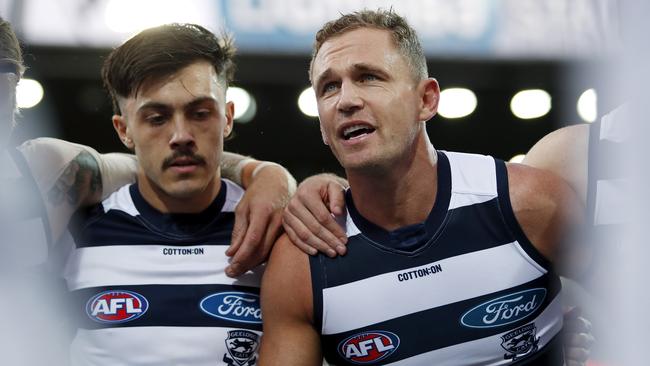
(401, 193)
(165, 202)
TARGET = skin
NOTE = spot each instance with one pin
(79, 184)
(176, 126)
(360, 78)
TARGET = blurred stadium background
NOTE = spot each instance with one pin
(492, 49)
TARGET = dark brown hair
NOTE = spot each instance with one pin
(11, 57)
(164, 50)
(404, 36)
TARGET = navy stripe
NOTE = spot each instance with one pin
(179, 224)
(119, 228)
(169, 305)
(457, 238)
(432, 224)
(443, 327)
(510, 219)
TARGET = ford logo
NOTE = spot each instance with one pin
(368, 347)
(116, 306)
(505, 309)
(241, 307)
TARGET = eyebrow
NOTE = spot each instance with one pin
(358, 67)
(193, 103)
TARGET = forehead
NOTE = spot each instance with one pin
(369, 46)
(197, 80)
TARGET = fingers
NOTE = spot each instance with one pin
(314, 224)
(309, 228)
(250, 253)
(578, 339)
(303, 238)
(239, 228)
(336, 195)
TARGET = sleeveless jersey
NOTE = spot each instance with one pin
(150, 289)
(465, 287)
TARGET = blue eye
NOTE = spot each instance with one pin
(369, 77)
(329, 87)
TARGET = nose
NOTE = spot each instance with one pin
(350, 99)
(182, 135)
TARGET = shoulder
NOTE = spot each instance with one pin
(287, 279)
(544, 205)
(565, 153)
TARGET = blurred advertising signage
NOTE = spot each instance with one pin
(473, 28)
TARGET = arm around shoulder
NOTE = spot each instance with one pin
(71, 175)
(289, 334)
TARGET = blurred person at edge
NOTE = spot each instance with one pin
(42, 183)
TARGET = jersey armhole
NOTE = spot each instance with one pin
(505, 206)
(317, 285)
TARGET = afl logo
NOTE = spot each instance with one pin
(116, 306)
(368, 347)
(505, 309)
(241, 307)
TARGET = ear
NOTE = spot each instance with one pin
(122, 129)
(429, 92)
(230, 116)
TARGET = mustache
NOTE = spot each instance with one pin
(186, 154)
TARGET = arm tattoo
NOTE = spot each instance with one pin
(80, 179)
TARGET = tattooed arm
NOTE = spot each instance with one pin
(71, 175)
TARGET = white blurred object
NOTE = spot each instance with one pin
(307, 102)
(457, 102)
(517, 158)
(29, 93)
(531, 103)
(588, 105)
(245, 105)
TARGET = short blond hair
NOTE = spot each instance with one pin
(404, 36)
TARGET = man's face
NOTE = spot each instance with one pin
(8, 82)
(368, 102)
(176, 124)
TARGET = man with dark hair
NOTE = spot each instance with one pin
(148, 267)
(45, 180)
(449, 254)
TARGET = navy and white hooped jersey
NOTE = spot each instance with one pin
(463, 288)
(150, 288)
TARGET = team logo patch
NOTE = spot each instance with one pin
(505, 309)
(241, 307)
(242, 347)
(116, 306)
(520, 342)
(368, 347)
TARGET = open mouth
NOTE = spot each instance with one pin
(356, 131)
